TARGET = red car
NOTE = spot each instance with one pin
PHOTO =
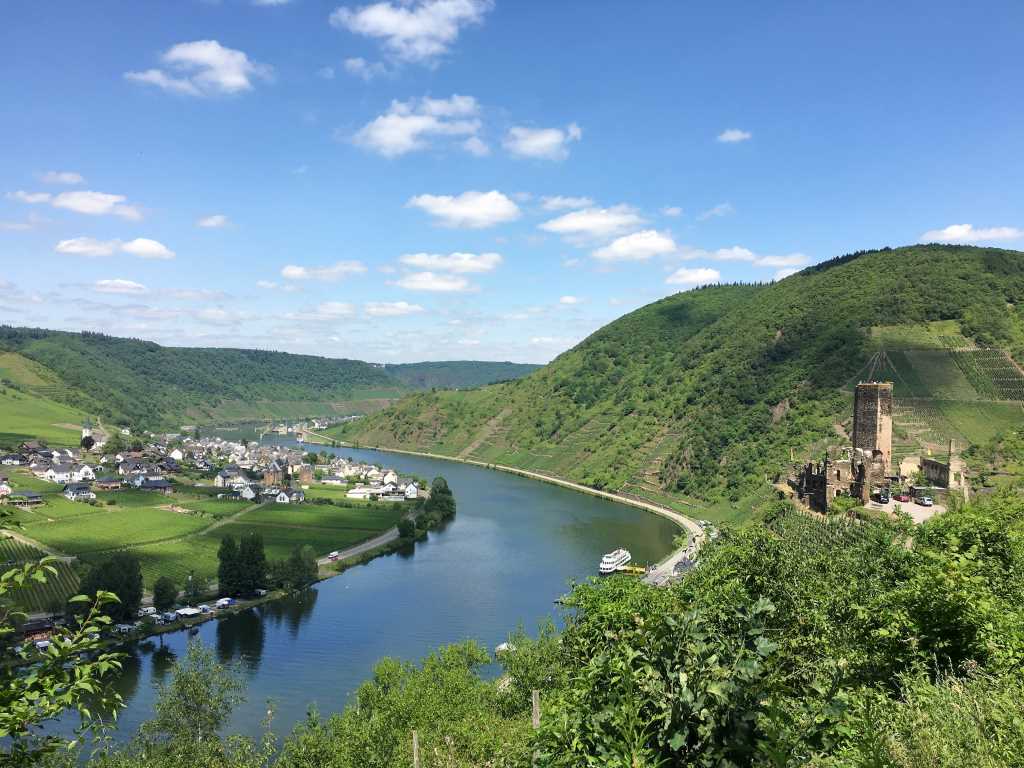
(901, 497)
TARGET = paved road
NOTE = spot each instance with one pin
(357, 549)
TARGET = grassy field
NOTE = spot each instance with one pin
(372, 518)
(27, 417)
(112, 528)
(37, 597)
(317, 491)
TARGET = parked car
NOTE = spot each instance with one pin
(333, 555)
(925, 501)
(224, 602)
(902, 497)
(168, 616)
(42, 645)
(205, 609)
(124, 629)
(261, 593)
(147, 610)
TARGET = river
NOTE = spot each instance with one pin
(512, 550)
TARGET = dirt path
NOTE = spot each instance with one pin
(485, 434)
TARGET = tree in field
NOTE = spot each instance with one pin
(70, 675)
(88, 442)
(252, 564)
(122, 575)
(165, 594)
(300, 569)
(229, 568)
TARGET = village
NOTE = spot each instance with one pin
(240, 470)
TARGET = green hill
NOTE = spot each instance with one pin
(701, 394)
(457, 374)
(145, 385)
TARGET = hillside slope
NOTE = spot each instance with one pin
(146, 385)
(702, 393)
(457, 374)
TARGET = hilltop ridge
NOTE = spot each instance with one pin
(702, 394)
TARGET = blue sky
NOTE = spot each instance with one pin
(466, 179)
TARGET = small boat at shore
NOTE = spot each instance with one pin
(613, 561)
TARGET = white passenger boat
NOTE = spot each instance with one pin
(613, 561)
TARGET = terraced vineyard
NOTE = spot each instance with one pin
(36, 597)
(991, 373)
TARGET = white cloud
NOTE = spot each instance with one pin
(96, 204)
(391, 308)
(594, 223)
(204, 68)
(543, 143)
(360, 67)
(470, 210)
(696, 276)
(142, 247)
(327, 73)
(215, 221)
(733, 136)
(196, 294)
(639, 246)
(570, 300)
(118, 285)
(966, 233)
(29, 197)
(722, 209)
(408, 126)
(673, 211)
(334, 309)
(562, 203)
(333, 272)
(418, 31)
(782, 274)
(458, 263)
(62, 177)
(739, 253)
(145, 248)
(476, 146)
(86, 246)
(266, 284)
(431, 281)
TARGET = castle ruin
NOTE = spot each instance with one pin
(856, 470)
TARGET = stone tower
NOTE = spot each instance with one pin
(872, 420)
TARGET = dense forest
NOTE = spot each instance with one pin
(457, 374)
(146, 385)
(702, 393)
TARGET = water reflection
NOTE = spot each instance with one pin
(164, 658)
(294, 611)
(240, 638)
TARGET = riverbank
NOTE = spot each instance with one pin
(691, 526)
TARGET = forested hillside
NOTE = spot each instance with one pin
(145, 385)
(457, 374)
(702, 393)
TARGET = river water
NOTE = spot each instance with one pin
(512, 550)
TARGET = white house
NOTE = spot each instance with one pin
(59, 473)
(333, 480)
(5, 489)
(411, 491)
(176, 454)
(363, 492)
(78, 492)
(290, 496)
(247, 492)
(82, 472)
(390, 477)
